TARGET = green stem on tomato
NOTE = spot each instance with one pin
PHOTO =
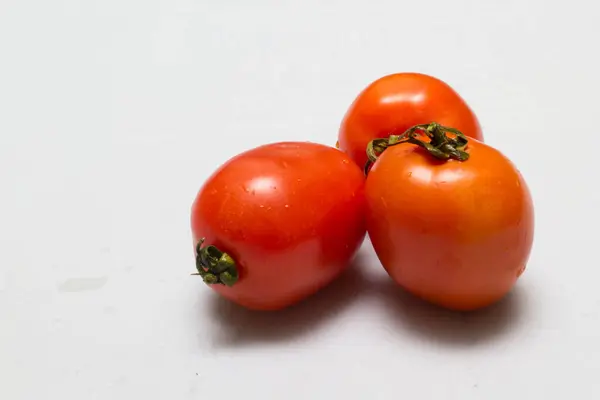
(439, 145)
(215, 266)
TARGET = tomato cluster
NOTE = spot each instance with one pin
(450, 218)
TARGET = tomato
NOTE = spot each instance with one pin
(452, 223)
(396, 102)
(277, 223)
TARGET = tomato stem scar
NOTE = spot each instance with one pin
(440, 145)
(215, 266)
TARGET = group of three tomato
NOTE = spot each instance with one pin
(450, 218)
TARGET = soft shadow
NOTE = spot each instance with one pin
(237, 326)
(435, 324)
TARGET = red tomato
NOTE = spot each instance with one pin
(394, 103)
(278, 222)
(455, 233)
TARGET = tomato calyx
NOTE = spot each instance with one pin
(215, 266)
(440, 145)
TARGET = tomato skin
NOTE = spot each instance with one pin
(291, 214)
(396, 102)
(456, 234)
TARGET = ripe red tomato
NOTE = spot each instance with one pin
(394, 103)
(277, 223)
(455, 233)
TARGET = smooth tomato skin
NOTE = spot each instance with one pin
(291, 214)
(394, 103)
(456, 234)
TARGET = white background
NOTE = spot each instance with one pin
(112, 113)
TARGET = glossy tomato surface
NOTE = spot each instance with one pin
(396, 102)
(291, 215)
(455, 233)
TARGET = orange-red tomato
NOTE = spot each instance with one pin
(394, 103)
(285, 219)
(455, 233)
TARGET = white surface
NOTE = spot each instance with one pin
(112, 113)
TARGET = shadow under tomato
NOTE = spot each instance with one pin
(238, 326)
(435, 324)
